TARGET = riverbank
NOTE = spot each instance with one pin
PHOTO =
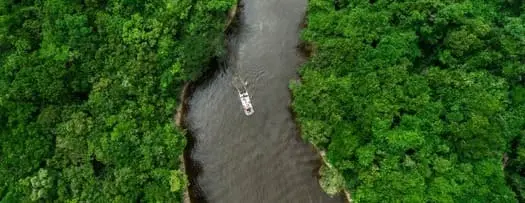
(309, 50)
(182, 110)
(324, 179)
(179, 115)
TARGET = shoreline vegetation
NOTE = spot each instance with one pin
(88, 91)
(416, 101)
(330, 179)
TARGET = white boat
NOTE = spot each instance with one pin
(243, 95)
(246, 103)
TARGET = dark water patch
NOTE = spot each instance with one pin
(193, 167)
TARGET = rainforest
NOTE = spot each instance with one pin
(408, 100)
(417, 101)
(88, 89)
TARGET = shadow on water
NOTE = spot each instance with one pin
(215, 67)
(193, 167)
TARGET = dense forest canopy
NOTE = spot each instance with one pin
(418, 100)
(88, 90)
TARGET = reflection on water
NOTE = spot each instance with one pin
(259, 158)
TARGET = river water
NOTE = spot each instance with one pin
(259, 158)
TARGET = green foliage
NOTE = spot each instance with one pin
(87, 93)
(41, 185)
(331, 181)
(417, 101)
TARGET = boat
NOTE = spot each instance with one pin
(246, 103)
(240, 86)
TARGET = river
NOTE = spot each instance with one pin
(259, 158)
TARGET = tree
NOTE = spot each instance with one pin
(411, 98)
(87, 92)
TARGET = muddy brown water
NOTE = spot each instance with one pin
(259, 158)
